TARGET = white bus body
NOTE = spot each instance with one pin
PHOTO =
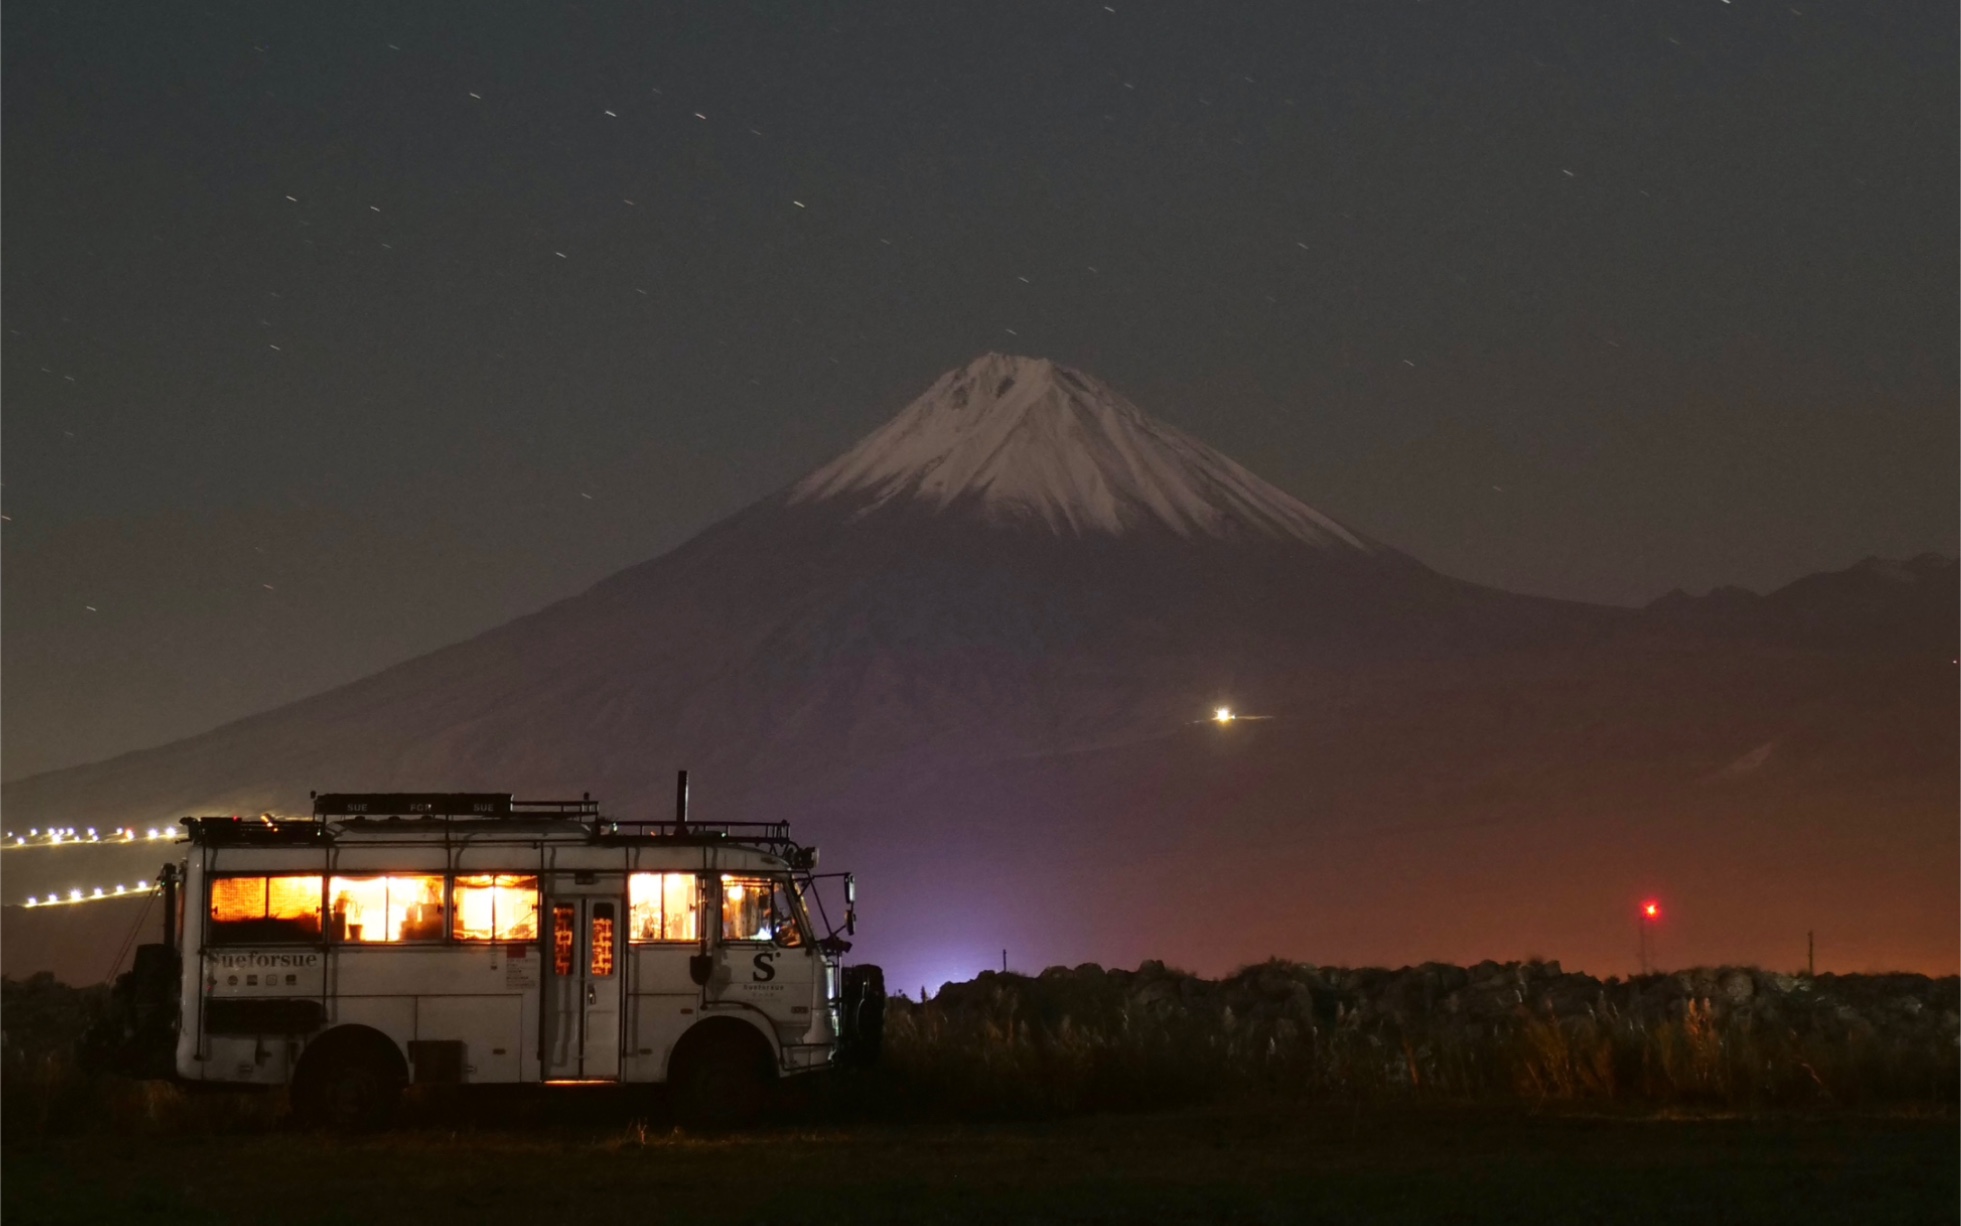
(509, 943)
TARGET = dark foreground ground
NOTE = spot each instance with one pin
(1237, 1164)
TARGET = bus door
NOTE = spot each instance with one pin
(587, 940)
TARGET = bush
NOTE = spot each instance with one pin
(51, 1083)
(1091, 1039)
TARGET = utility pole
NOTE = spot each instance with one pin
(1004, 962)
(1810, 955)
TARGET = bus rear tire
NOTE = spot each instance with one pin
(349, 1092)
(723, 1082)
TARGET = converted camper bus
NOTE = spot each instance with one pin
(397, 939)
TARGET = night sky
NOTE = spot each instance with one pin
(337, 333)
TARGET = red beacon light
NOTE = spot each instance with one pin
(1650, 916)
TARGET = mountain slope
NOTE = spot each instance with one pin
(879, 607)
(1878, 604)
(967, 656)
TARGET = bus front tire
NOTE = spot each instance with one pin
(723, 1082)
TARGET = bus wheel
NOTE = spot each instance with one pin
(351, 1091)
(722, 1083)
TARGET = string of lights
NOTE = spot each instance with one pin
(70, 836)
(100, 893)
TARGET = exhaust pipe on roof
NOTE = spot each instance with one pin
(168, 880)
(681, 804)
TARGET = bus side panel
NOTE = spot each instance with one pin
(265, 1060)
(485, 995)
(394, 1016)
(658, 1021)
(491, 1029)
(190, 1014)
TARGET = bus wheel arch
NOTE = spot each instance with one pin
(722, 1073)
(350, 1077)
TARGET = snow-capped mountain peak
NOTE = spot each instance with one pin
(1019, 439)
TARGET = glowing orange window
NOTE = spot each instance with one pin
(250, 910)
(564, 934)
(495, 907)
(663, 907)
(371, 910)
(602, 939)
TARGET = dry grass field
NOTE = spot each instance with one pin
(1244, 1163)
(1284, 1094)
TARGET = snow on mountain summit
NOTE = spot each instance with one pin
(1022, 439)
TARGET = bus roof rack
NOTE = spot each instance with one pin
(406, 804)
(771, 836)
(446, 804)
(382, 811)
(263, 829)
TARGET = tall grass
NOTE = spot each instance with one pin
(1095, 1040)
(1091, 1039)
(51, 1082)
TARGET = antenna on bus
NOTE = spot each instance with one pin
(681, 804)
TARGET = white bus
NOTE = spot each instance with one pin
(417, 938)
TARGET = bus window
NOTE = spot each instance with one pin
(664, 907)
(248, 910)
(602, 939)
(759, 909)
(368, 910)
(496, 907)
(564, 937)
(784, 925)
